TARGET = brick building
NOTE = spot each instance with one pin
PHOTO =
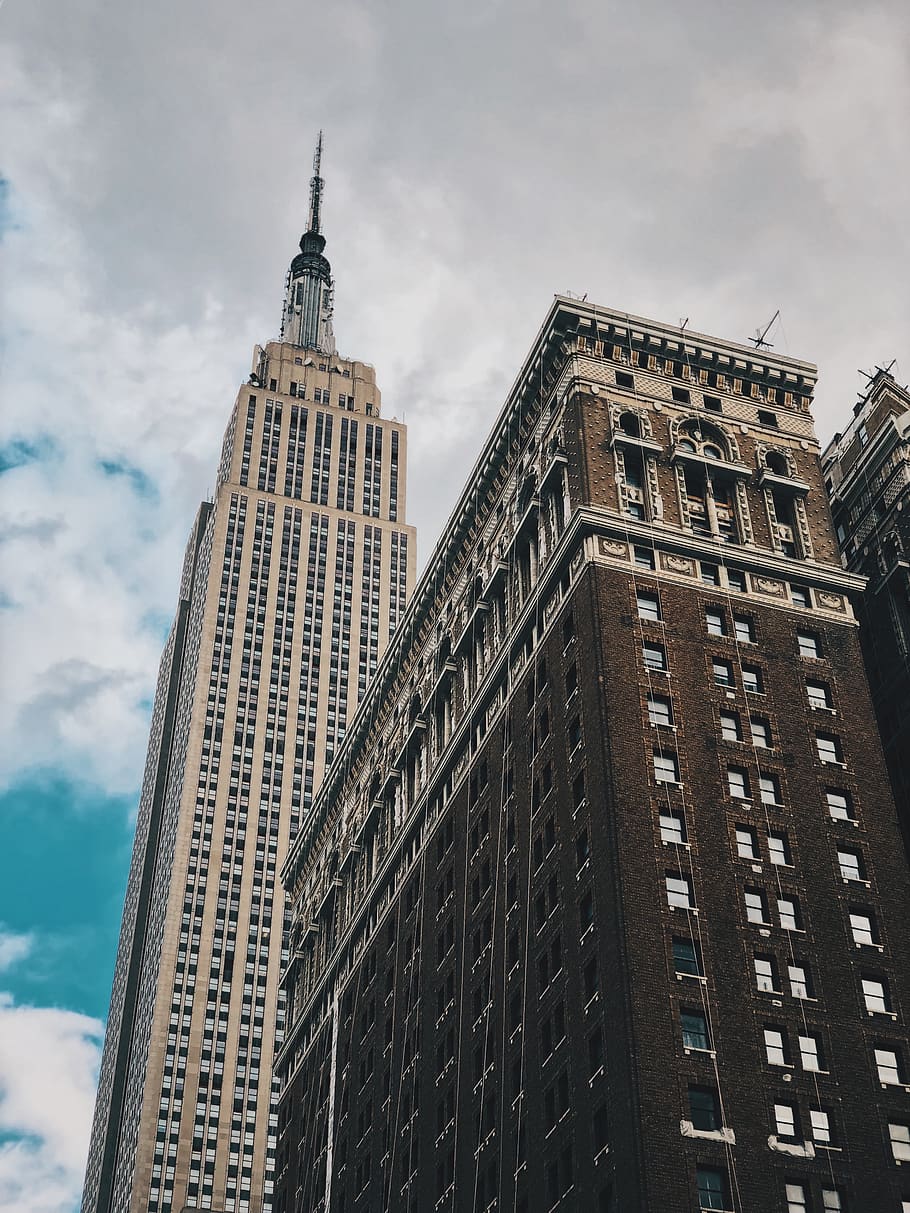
(603, 906)
(867, 471)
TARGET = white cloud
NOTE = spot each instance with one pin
(48, 1069)
(13, 947)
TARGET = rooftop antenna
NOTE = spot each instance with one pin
(760, 334)
(316, 184)
(683, 323)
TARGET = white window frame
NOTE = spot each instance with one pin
(746, 844)
(784, 1120)
(761, 732)
(715, 623)
(755, 906)
(664, 763)
(818, 693)
(672, 828)
(769, 789)
(887, 1063)
(779, 849)
(899, 1136)
(797, 1201)
(826, 745)
(648, 605)
(807, 643)
(820, 1126)
(810, 1054)
(730, 727)
(838, 800)
(743, 630)
(661, 717)
(787, 915)
(679, 892)
(863, 927)
(738, 783)
(775, 1047)
(799, 981)
(875, 996)
(764, 981)
(849, 864)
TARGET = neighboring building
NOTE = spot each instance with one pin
(867, 471)
(295, 578)
(603, 906)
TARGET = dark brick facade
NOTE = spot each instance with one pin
(525, 968)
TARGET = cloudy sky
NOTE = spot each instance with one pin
(710, 161)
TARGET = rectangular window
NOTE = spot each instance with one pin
(785, 1121)
(875, 995)
(800, 986)
(797, 1201)
(820, 1124)
(766, 974)
(736, 580)
(746, 843)
(672, 828)
(788, 911)
(899, 1135)
(756, 908)
(694, 1030)
(799, 596)
(775, 1047)
(729, 726)
(743, 629)
(715, 623)
(738, 783)
(888, 1065)
(679, 891)
(710, 574)
(851, 865)
(712, 1188)
(778, 848)
(655, 657)
(648, 606)
(660, 710)
(769, 786)
(810, 1055)
(703, 1109)
(829, 748)
(723, 673)
(840, 804)
(761, 732)
(666, 768)
(819, 694)
(644, 557)
(753, 681)
(808, 644)
(686, 959)
(862, 924)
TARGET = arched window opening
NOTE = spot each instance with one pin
(776, 463)
(785, 513)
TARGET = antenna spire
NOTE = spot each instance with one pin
(316, 187)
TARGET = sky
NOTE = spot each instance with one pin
(706, 161)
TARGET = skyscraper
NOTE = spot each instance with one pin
(295, 578)
(604, 908)
(867, 471)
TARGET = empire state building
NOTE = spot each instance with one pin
(294, 580)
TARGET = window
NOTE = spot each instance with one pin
(862, 924)
(851, 865)
(654, 655)
(875, 994)
(829, 748)
(736, 580)
(756, 908)
(746, 843)
(769, 786)
(729, 726)
(775, 1047)
(624, 379)
(788, 911)
(715, 621)
(785, 1121)
(752, 680)
(832, 1201)
(887, 1063)
(840, 804)
(710, 573)
(819, 694)
(703, 1109)
(800, 985)
(899, 1136)
(810, 1054)
(738, 782)
(686, 959)
(808, 644)
(644, 557)
(779, 848)
(799, 596)
(797, 1201)
(723, 673)
(766, 974)
(666, 768)
(761, 732)
(743, 629)
(820, 1125)
(694, 1030)
(679, 890)
(672, 828)
(712, 1188)
(648, 607)
(660, 710)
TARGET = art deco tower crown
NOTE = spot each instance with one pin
(307, 316)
